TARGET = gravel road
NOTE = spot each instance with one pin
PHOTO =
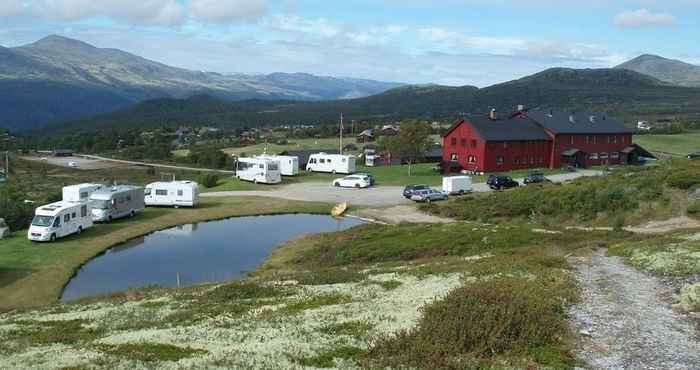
(625, 319)
(375, 196)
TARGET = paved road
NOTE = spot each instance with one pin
(154, 164)
(376, 196)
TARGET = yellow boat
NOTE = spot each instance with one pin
(339, 209)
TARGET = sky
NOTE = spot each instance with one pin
(449, 42)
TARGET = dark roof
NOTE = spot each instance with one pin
(579, 122)
(507, 129)
(304, 154)
(433, 153)
(570, 152)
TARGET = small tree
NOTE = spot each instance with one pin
(411, 142)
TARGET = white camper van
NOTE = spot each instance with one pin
(80, 192)
(289, 165)
(258, 170)
(332, 163)
(172, 194)
(456, 185)
(56, 220)
(111, 203)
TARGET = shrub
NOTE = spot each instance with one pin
(684, 179)
(487, 319)
(694, 209)
(208, 180)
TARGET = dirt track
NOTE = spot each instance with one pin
(625, 319)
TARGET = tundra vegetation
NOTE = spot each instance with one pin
(488, 292)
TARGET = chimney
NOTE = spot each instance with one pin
(492, 115)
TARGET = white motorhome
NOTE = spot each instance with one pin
(111, 203)
(258, 170)
(60, 219)
(289, 165)
(172, 194)
(80, 192)
(332, 163)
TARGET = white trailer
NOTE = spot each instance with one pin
(80, 192)
(172, 194)
(258, 170)
(115, 202)
(60, 219)
(456, 185)
(289, 165)
(332, 163)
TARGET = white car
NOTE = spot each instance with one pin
(352, 181)
(72, 164)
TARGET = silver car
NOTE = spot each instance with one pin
(428, 195)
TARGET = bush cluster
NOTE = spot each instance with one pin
(492, 318)
(208, 180)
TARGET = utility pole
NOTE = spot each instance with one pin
(341, 134)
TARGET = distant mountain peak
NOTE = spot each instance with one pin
(668, 70)
(61, 41)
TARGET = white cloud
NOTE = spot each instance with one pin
(149, 12)
(455, 40)
(319, 27)
(225, 11)
(11, 8)
(643, 18)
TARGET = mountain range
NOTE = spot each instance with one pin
(58, 78)
(626, 94)
(668, 70)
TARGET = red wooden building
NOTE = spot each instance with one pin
(537, 140)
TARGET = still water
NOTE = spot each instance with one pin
(205, 252)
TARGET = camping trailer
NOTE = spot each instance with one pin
(289, 165)
(258, 170)
(456, 185)
(60, 219)
(332, 163)
(172, 194)
(80, 192)
(111, 203)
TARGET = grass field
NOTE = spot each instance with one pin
(675, 145)
(33, 274)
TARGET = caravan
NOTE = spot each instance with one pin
(289, 165)
(258, 170)
(56, 220)
(172, 194)
(333, 163)
(114, 202)
(80, 192)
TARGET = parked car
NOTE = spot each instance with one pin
(496, 182)
(352, 181)
(694, 155)
(72, 164)
(410, 189)
(536, 178)
(428, 195)
(368, 175)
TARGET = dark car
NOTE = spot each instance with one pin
(369, 175)
(694, 155)
(496, 182)
(536, 178)
(409, 190)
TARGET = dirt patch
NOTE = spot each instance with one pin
(626, 321)
(399, 214)
(660, 227)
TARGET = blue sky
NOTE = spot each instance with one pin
(453, 42)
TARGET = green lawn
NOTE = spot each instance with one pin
(675, 145)
(294, 144)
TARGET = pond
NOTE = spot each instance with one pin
(197, 253)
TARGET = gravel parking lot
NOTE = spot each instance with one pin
(83, 163)
(376, 196)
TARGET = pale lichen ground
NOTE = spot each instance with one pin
(269, 336)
